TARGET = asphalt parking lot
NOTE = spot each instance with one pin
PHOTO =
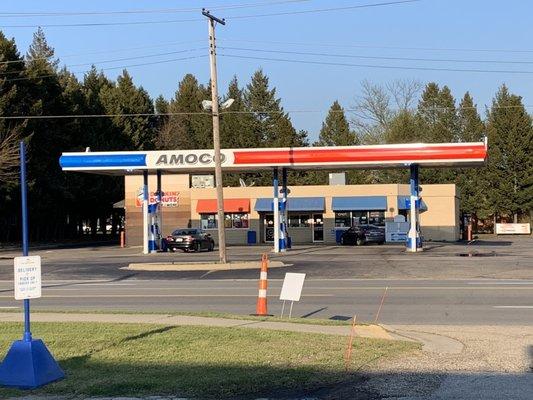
(488, 257)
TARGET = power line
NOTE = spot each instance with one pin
(109, 51)
(208, 114)
(322, 10)
(377, 66)
(117, 59)
(376, 46)
(148, 11)
(107, 68)
(156, 22)
(375, 57)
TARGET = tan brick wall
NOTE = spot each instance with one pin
(440, 222)
(173, 217)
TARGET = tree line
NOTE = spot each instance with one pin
(34, 91)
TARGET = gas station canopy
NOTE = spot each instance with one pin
(234, 160)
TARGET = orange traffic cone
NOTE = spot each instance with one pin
(261, 308)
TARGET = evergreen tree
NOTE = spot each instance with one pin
(271, 124)
(13, 101)
(236, 130)
(125, 98)
(193, 128)
(335, 129)
(49, 138)
(438, 115)
(438, 124)
(509, 171)
(470, 180)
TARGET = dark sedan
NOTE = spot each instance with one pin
(359, 235)
(187, 239)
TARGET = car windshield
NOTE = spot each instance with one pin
(179, 232)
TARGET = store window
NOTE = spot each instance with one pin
(231, 221)
(376, 218)
(346, 219)
(343, 220)
(299, 220)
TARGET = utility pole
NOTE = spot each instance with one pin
(216, 134)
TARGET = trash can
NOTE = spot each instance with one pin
(164, 245)
(338, 234)
(252, 237)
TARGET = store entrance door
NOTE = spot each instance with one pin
(318, 228)
(268, 223)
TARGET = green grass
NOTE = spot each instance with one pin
(200, 362)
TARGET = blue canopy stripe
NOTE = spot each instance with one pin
(293, 204)
(359, 203)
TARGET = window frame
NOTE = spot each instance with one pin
(231, 217)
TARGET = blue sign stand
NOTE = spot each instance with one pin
(28, 363)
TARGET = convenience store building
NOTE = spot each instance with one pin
(315, 213)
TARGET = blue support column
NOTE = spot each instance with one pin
(275, 205)
(414, 242)
(159, 211)
(146, 247)
(28, 363)
(284, 240)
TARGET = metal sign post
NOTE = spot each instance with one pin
(28, 363)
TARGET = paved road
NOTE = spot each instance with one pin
(499, 258)
(439, 286)
(448, 302)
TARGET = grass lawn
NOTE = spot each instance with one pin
(201, 362)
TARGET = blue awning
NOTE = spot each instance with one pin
(403, 203)
(359, 203)
(293, 204)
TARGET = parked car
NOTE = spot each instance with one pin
(187, 239)
(359, 235)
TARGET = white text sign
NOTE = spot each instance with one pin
(513, 229)
(292, 286)
(27, 277)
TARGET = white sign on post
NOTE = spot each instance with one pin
(27, 277)
(292, 286)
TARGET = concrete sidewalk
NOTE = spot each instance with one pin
(366, 331)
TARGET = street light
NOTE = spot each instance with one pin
(207, 105)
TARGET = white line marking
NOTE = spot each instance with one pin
(8, 308)
(517, 307)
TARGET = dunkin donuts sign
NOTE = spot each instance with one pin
(169, 198)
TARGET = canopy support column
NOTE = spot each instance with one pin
(414, 241)
(159, 211)
(275, 204)
(284, 241)
(145, 212)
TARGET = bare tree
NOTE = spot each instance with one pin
(9, 156)
(405, 93)
(377, 105)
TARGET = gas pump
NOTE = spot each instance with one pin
(154, 230)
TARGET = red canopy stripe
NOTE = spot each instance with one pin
(303, 156)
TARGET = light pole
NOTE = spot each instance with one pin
(216, 134)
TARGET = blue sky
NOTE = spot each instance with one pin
(433, 24)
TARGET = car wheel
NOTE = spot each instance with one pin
(197, 247)
(380, 243)
(172, 249)
(360, 241)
